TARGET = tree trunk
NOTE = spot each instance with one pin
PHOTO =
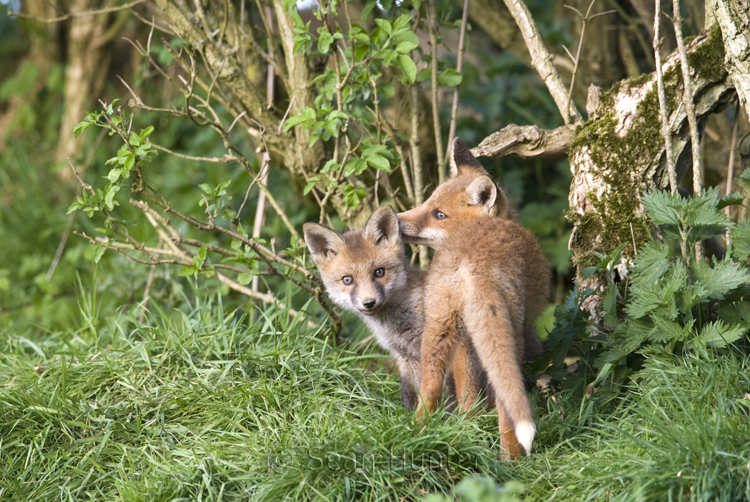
(88, 59)
(619, 154)
(734, 20)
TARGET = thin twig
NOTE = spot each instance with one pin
(687, 98)
(77, 14)
(666, 131)
(416, 159)
(541, 60)
(432, 26)
(584, 21)
(146, 293)
(733, 143)
(459, 66)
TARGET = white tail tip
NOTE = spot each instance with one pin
(525, 433)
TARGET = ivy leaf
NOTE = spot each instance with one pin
(408, 67)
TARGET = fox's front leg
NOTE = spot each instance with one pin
(438, 343)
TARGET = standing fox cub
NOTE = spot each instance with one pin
(489, 273)
(366, 272)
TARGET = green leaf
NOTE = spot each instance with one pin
(129, 162)
(733, 199)
(98, 253)
(408, 67)
(324, 42)
(717, 334)
(744, 180)
(379, 162)
(666, 330)
(387, 90)
(134, 139)
(651, 263)
(450, 78)
(406, 41)
(293, 121)
(187, 271)
(245, 278)
(384, 25)
(82, 126)
(662, 207)
(424, 74)
(312, 180)
(146, 133)
(721, 279)
(741, 241)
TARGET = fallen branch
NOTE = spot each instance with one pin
(526, 142)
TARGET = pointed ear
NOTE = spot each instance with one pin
(462, 161)
(323, 242)
(382, 225)
(483, 192)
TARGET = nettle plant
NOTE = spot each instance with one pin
(340, 149)
(671, 301)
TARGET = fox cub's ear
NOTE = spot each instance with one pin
(322, 241)
(483, 192)
(462, 161)
(382, 226)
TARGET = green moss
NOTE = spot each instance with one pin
(615, 218)
(708, 59)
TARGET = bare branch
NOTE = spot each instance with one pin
(687, 98)
(432, 25)
(77, 14)
(459, 66)
(540, 59)
(665, 129)
(416, 160)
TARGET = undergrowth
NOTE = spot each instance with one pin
(205, 404)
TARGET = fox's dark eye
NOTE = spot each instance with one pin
(439, 215)
(347, 279)
(379, 272)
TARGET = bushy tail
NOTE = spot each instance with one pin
(496, 333)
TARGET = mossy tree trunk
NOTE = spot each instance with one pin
(619, 154)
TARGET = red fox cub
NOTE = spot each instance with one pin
(366, 272)
(490, 274)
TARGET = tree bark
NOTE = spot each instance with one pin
(734, 21)
(86, 67)
(619, 155)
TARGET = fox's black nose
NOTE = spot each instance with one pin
(368, 304)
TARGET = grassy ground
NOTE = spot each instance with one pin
(206, 405)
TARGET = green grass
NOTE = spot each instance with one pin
(203, 404)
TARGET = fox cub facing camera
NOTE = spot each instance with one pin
(366, 272)
(490, 274)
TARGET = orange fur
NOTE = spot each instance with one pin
(490, 274)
